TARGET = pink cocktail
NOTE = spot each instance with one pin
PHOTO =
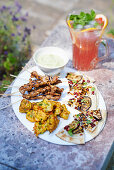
(85, 44)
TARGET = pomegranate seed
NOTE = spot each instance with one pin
(83, 81)
(93, 92)
(66, 128)
(88, 81)
(70, 82)
(92, 125)
(75, 93)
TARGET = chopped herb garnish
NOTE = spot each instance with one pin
(93, 89)
(88, 121)
(74, 81)
(91, 117)
(83, 18)
(70, 132)
(31, 116)
(77, 115)
(77, 122)
(83, 100)
(40, 104)
(85, 83)
(40, 123)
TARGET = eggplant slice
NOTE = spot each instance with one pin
(73, 77)
(83, 103)
(97, 114)
(74, 124)
(78, 130)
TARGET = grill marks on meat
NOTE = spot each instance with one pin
(42, 87)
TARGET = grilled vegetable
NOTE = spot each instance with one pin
(73, 77)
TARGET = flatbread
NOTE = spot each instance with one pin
(100, 125)
(92, 80)
(80, 139)
(92, 129)
(76, 138)
(94, 99)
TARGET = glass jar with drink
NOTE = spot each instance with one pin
(86, 30)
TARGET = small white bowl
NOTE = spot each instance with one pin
(53, 51)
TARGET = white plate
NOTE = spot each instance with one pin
(23, 79)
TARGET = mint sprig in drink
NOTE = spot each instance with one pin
(86, 30)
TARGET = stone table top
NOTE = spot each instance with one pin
(20, 149)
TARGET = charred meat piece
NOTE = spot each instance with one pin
(46, 91)
(55, 80)
(35, 74)
(25, 87)
(37, 83)
(42, 87)
(49, 97)
(49, 79)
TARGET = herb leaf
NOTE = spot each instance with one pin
(70, 132)
(88, 121)
(74, 81)
(83, 18)
(93, 14)
(93, 89)
(83, 100)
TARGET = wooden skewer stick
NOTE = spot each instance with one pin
(8, 86)
(11, 94)
(12, 75)
(9, 105)
(26, 70)
(18, 77)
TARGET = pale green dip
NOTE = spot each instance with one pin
(50, 60)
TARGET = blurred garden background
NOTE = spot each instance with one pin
(26, 23)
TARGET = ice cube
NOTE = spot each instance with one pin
(78, 26)
(92, 22)
(88, 26)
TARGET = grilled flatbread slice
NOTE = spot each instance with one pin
(73, 76)
(92, 126)
(89, 119)
(76, 138)
(99, 125)
(94, 113)
(93, 94)
(72, 133)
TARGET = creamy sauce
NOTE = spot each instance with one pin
(50, 60)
